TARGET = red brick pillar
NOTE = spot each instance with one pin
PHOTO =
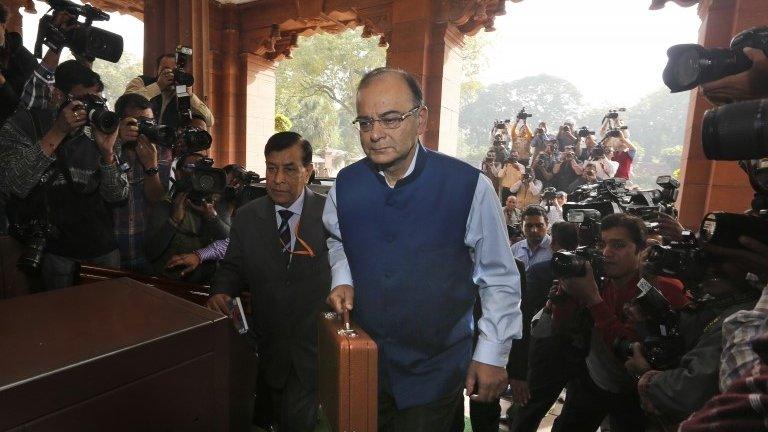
(258, 84)
(715, 185)
(432, 52)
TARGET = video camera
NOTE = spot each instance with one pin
(98, 114)
(182, 80)
(81, 37)
(613, 114)
(204, 182)
(187, 139)
(548, 195)
(522, 115)
(584, 132)
(250, 187)
(569, 264)
(662, 343)
(690, 65)
(683, 260)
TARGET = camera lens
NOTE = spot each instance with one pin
(724, 229)
(736, 131)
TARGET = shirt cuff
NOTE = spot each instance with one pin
(341, 274)
(491, 353)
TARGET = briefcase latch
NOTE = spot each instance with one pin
(333, 316)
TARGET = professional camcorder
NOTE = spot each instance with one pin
(613, 114)
(81, 37)
(661, 343)
(611, 196)
(182, 80)
(684, 260)
(522, 115)
(584, 132)
(690, 65)
(97, 112)
(204, 182)
(250, 187)
(569, 264)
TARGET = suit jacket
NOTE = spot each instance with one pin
(285, 301)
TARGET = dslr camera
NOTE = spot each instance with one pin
(187, 139)
(98, 114)
(33, 234)
(522, 115)
(204, 182)
(662, 343)
(250, 187)
(584, 132)
(81, 37)
(690, 65)
(570, 264)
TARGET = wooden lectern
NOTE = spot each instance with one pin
(119, 355)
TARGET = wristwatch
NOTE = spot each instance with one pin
(151, 171)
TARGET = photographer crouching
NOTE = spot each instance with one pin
(605, 388)
(190, 219)
(59, 167)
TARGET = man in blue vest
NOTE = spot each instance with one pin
(414, 235)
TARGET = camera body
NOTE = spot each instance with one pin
(203, 183)
(158, 134)
(570, 264)
(82, 38)
(33, 234)
(97, 112)
(690, 65)
(662, 344)
(522, 115)
(584, 132)
(549, 194)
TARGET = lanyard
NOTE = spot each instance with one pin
(287, 247)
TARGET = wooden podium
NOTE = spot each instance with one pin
(119, 355)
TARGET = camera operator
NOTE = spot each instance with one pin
(566, 169)
(16, 66)
(536, 247)
(588, 176)
(541, 365)
(179, 226)
(607, 388)
(521, 140)
(543, 163)
(148, 176)
(585, 153)
(540, 140)
(512, 214)
(510, 174)
(161, 93)
(490, 168)
(565, 136)
(64, 175)
(624, 153)
(215, 251)
(552, 201)
(674, 394)
(527, 190)
(605, 167)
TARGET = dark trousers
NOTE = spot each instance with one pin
(484, 416)
(586, 405)
(293, 408)
(550, 367)
(437, 416)
(505, 193)
(59, 272)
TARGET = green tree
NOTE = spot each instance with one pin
(316, 89)
(115, 76)
(282, 123)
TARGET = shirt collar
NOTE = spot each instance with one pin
(412, 166)
(547, 242)
(297, 205)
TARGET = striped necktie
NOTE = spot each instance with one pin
(285, 235)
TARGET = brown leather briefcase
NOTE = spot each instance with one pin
(348, 375)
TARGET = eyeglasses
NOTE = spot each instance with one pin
(391, 121)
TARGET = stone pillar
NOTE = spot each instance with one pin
(14, 23)
(258, 114)
(432, 52)
(715, 185)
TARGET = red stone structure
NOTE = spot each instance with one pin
(237, 44)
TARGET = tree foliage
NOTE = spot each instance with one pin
(115, 76)
(316, 89)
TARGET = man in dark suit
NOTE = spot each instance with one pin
(277, 250)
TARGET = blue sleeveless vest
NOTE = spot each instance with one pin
(412, 271)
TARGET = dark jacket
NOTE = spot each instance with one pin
(285, 301)
(536, 283)
(17, 65)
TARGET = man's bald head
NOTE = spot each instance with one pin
(413, 85)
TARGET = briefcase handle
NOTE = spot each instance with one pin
(347, 329)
